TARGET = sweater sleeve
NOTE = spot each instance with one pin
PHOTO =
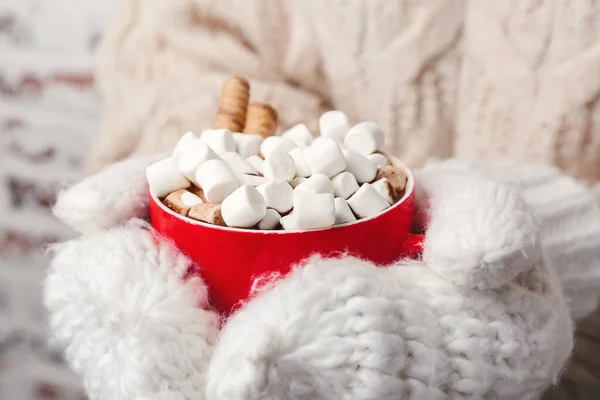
(529, 86)
(161, 64)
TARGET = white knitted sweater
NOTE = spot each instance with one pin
(482, 315)
(443, 77)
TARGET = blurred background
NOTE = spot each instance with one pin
(48, 114)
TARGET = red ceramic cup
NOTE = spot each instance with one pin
(229, 259)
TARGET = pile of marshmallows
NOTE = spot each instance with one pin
(292, 180)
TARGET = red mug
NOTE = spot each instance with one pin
(230, 259)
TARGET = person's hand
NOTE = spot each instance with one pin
(568, 216)
(130, 324)
(481, 315)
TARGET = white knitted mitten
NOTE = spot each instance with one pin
(482, 315)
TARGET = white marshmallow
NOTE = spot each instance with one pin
(360, 166)
(302, 169)
(195, 154)
(321, 138)
(317, 184)
(243, 208)
(344, 185)
(183, 142)
(274, 144)
(164, 177)
(277, 195)
(288, 222)
(257, 162)
(246, 144)
(378, 159)
(238, 164)
(220, 140)
(189, 199)
(343, 213)
(296, 181)
(279, 166)
(334, 124)
(313, 211)
(367, 201)
(299, 134)
(270, 220)
(325, 157)
(365, 138)
(252, 180)
(216, 180)
(383, 188)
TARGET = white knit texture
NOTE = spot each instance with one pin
(510, 78)
(569, 222)
(345, 329)
(332, 329)
(129, 323)
(480, 234)
(105, 200)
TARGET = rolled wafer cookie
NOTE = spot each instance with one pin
(261, 119)
(207, 212)
(233, 104)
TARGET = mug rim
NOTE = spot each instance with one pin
(410, 187)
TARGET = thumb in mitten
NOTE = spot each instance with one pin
(568, 217)
(479, 234)
(132, 321)
(114, 195)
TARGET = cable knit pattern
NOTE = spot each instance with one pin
(161, 66)
(394, 63)
(482, 315)
(529, 85)
(443, 77)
